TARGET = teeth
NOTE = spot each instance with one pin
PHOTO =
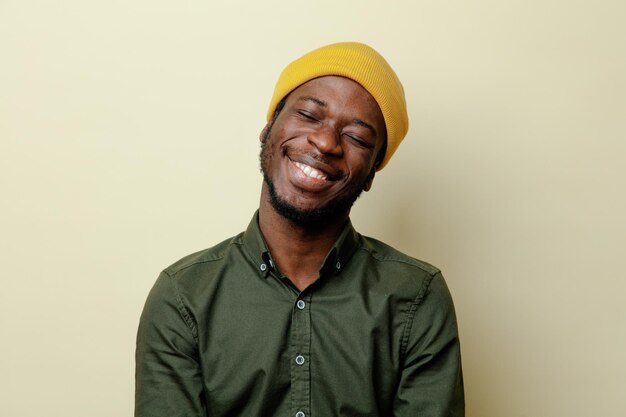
(311, 172)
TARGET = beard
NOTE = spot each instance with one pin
(331, 210)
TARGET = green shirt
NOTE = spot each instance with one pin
(223, 333)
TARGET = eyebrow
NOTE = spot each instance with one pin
(314, 100)
(365, 125)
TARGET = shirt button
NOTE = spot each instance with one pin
(301, 304)
(300, 360)
(338, 266)
(300, 414)
(263, 267)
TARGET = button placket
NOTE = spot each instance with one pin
(300, 342)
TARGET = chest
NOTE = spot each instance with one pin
(327, 346)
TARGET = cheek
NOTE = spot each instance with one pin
(271, 149)
(360, 160)
(288, 133)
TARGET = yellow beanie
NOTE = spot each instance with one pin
(362, 64)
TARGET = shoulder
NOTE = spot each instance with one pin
(398, 273)
(203, 259)
(422, 282)
(386, 254)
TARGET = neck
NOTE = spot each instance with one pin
(298, 249)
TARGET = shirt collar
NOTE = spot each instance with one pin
(336, 259)
(342, 250)
(254, 245)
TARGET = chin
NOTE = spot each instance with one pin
(331, 210)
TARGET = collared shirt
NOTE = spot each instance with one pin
(223, 333)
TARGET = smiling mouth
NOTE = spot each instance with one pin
(310, 171)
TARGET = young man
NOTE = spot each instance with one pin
(300, 315)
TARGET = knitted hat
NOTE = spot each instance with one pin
(362, 64)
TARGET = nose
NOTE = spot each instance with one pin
(326, 140)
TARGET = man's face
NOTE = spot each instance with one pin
(319, 154)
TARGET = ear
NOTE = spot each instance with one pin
(370, 180)
(379, 158)
(265, 130)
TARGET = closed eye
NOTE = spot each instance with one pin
(359, 141)
(308, 116)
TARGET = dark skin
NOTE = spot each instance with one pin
(321, 148)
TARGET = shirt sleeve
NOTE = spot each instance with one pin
(431, 383)
(168, 378)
